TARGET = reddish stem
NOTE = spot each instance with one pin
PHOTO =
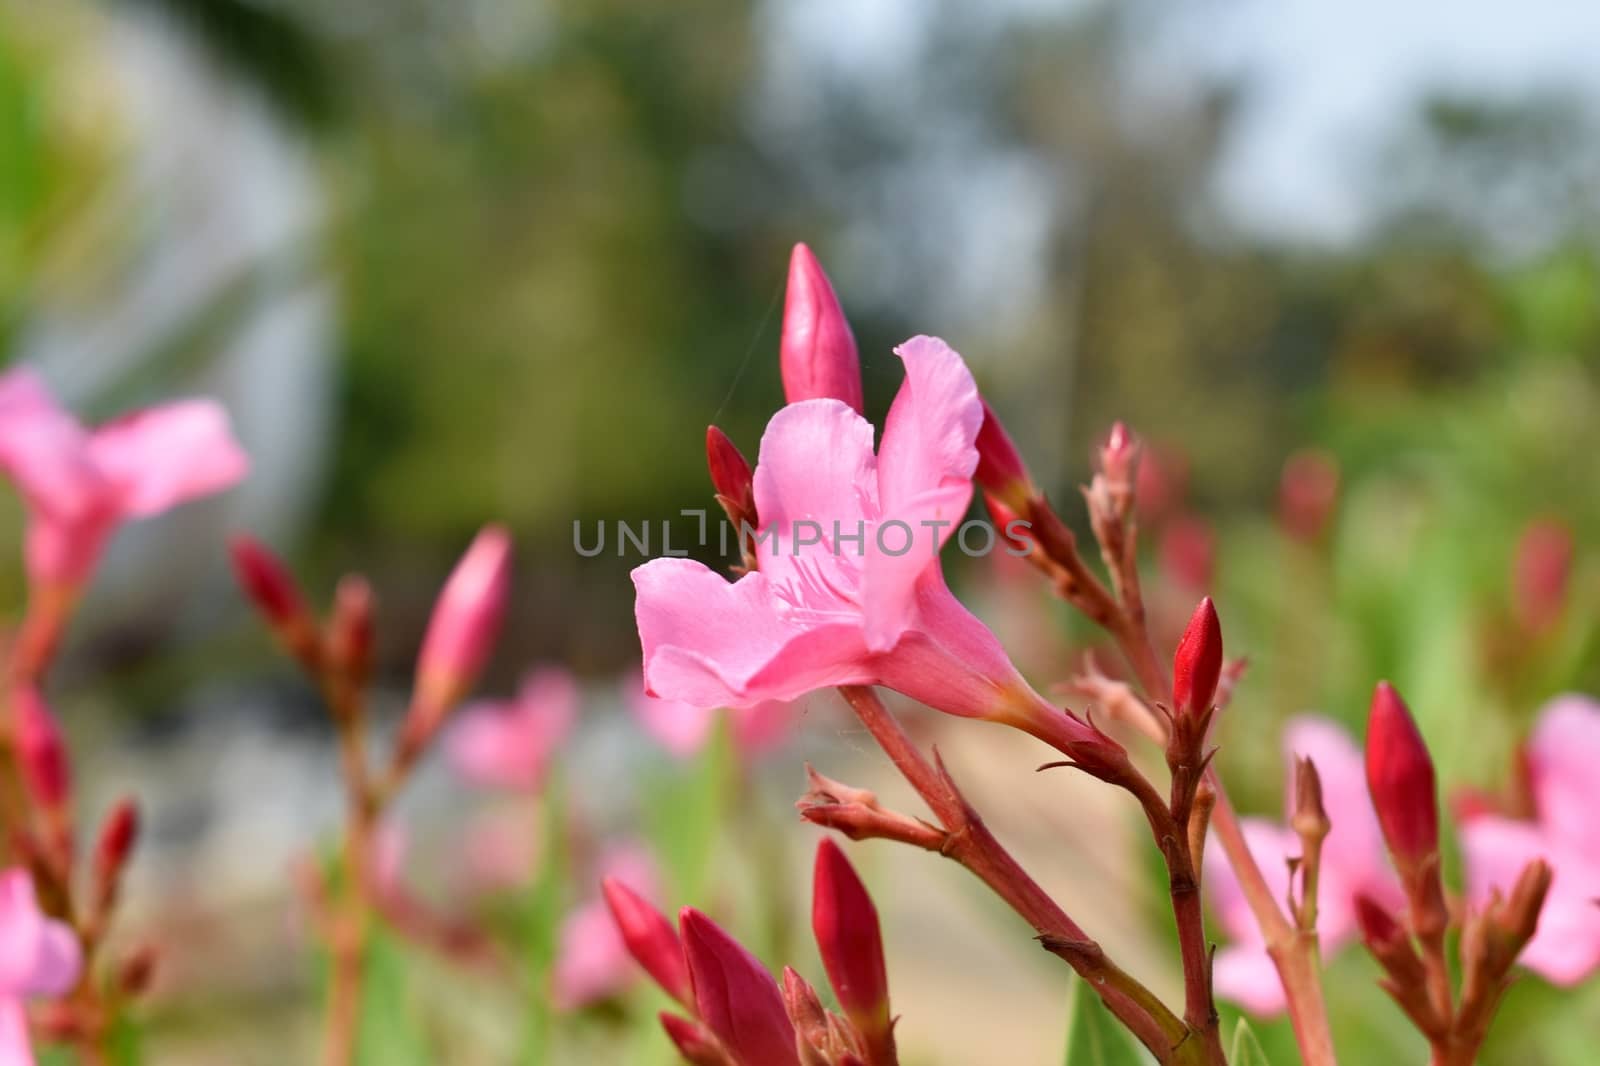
(971, 843)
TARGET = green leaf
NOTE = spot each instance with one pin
(1094, 1037)
(390, 1034)
(1246, 1048)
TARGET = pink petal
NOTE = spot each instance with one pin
(63, 551)
(925, 466)
(1563, 753)
(712, 643)
(951, 661)
(510, 744)
(681, 728)
(1271, 845)
(592, 962)
(1354, 851)
(1566, 947)
(163, 456)
(929, 438)
(815, 464)
(765, 726)
(1246, 976)
(39, 956)
(15, 1047)
(45, 451)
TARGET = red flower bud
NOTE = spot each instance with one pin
(265, 580)
(1001, 472)
(693, 1041)
(730, 472)
(1539, 576)
(1118, 453)
(117, 837)
(272, 589)
(1307, 493)
(817, 356)
(1400, 778)
(735, 996)
(846, 926)
(41, 752)
(651, 940)
(350, 630)
(1379, 928)
(1198, 662)
(466, 620)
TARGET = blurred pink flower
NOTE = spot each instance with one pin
(39, 956)
(592, 960)
(683, 728)
(509, 743)
(1353, 862)
(849, 590)
(1562, 757)
(500, 850)
(79, 484)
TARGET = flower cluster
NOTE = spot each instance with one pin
(1360, 853)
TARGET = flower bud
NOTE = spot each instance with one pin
(350, 631)
(817, 356)
(734, 995)
(1001, 472)
(117, 837)
(1198, 663)
(693, 1041)
(650, 938)
(1307, 493)
(730, 473)
(1118, 455)
(807, 1014)
(137, 971)
(846, 926)
(41, 751)
(1400, 778)
(466, 620)
(1540, 572)
(272, 589)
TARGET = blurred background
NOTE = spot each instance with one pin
(452, 262)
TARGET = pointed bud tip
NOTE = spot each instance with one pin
(817, 353)
(849, 939)
(1400, 777)
(1197, 665)
(265, 580)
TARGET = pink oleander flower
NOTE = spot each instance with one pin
(592, 961)
(39, 956)
(1562, 756)
(1353, 863)
(80, 484)
(849, 590)
(684, 728)
(508, 744)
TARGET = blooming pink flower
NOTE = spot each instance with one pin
(849, 590)
(79, 484)
(683, 728)
(508, 744)
(1561, 759)
(592, 961)
(39, 956)
(1353, 863)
